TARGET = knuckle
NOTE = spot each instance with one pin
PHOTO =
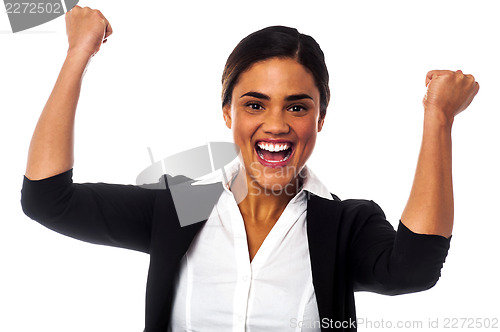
(98, 15)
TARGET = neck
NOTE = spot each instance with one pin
(261, 205)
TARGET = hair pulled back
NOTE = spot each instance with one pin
(281, 42)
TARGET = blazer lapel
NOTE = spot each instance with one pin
(170, 240)
(322, 230)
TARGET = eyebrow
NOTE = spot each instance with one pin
(266, 97)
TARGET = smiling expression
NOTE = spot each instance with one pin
(275, 117)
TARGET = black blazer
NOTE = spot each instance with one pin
(352, 245)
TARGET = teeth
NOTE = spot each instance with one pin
(273, 147)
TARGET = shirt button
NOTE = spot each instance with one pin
(245, 278)
(240, 317)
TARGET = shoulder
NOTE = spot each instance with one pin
(349, 215)
(364, 207)
(348, 206)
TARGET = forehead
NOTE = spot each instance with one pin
(278, 77)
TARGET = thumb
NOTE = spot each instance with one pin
(109, 30)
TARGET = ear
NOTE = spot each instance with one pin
(321, 121)
(226, 112)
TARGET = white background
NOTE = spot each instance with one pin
(156, 83)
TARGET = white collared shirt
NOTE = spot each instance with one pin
(218, 288)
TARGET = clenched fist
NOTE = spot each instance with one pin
(87, 29)
(449, 92)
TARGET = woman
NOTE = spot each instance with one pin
(277, 251)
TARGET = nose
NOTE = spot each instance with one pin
(275, 123)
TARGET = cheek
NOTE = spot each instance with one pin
(306, 131)
(307, 137)
(243, 127)
(310, 142)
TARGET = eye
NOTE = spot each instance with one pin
(255, 106)
(297, 108)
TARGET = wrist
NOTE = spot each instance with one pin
(76, 63)
(436, 118)
(78, 54)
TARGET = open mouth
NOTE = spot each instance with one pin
(274, 153)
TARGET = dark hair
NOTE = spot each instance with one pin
(281, 42)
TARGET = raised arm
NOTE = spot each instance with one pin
(429, 209)
(109, 214)
(410, 259)
(51, 148)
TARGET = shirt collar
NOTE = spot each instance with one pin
(313, 184)
(225, 175)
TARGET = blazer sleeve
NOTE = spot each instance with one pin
(109, 214)
(393, 262)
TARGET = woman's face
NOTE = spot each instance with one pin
(274, 116)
